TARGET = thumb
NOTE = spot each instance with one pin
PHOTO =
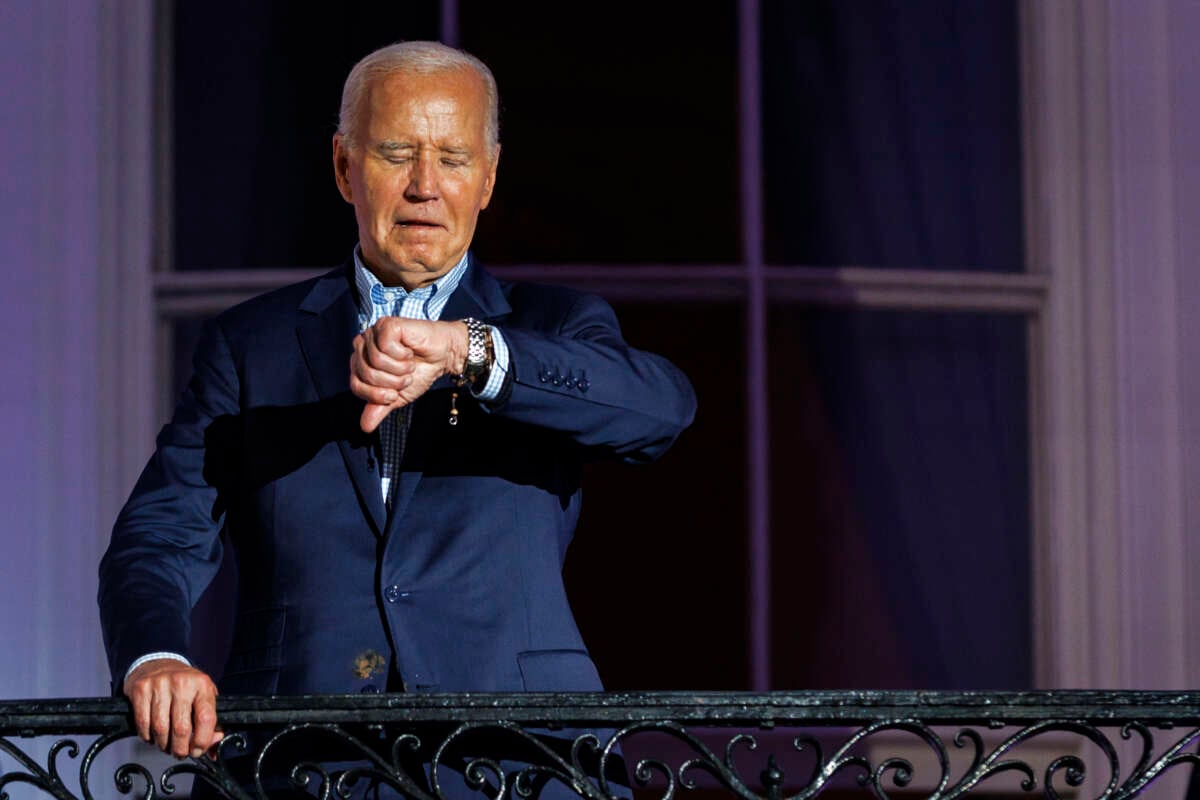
(372, 416)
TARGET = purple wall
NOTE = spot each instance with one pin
(52, 221)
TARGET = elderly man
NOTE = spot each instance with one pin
(394, 448)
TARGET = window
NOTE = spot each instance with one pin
(815, 212)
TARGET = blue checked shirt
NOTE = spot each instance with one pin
(376, 301)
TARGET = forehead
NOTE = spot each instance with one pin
(448, 103)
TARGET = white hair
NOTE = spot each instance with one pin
(419, 58)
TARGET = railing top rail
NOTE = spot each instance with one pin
(763, 709)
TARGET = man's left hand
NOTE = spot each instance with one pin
(396, 360)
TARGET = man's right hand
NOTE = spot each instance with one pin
(174, 706)
(397, 359)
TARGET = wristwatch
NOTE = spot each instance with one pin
(480, 353)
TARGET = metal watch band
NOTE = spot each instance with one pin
(479, 351)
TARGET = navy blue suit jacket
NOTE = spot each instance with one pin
(459, 587)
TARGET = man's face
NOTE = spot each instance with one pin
(418, 173)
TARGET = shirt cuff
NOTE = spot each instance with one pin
(151, 657)
(499, 370)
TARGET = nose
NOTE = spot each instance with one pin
(422, 180)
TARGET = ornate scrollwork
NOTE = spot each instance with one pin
(1147, 769)
(899, 772)
(541, 764)
(48, 779)
(434, 758)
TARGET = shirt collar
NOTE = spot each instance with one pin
(370, 292)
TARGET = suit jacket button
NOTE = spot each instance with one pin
(392, 593)
(583, 384)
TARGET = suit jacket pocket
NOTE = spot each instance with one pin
(558, 671)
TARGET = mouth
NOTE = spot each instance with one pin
(416, 224)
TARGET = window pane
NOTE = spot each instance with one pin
(892, 134)
(256, 94)
(656, 573)
(619, 131)
(900, 500)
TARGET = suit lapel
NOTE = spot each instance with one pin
(328, 324)
(478, 295)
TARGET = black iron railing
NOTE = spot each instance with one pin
(1108, 745)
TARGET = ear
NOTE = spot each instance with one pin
(489, 182)
(341, 167)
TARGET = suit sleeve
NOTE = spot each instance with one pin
(583, 379)
(165, 546)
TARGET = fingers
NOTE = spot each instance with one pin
(181, 723)
(394, 340)
(371, 383)
(376, 376)
(369, 389)
(160, 717)
(218, 735)
(174, 707)
(395, 361)
(141, 712)
(403, 338)
(204, 723)
(374, 350)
